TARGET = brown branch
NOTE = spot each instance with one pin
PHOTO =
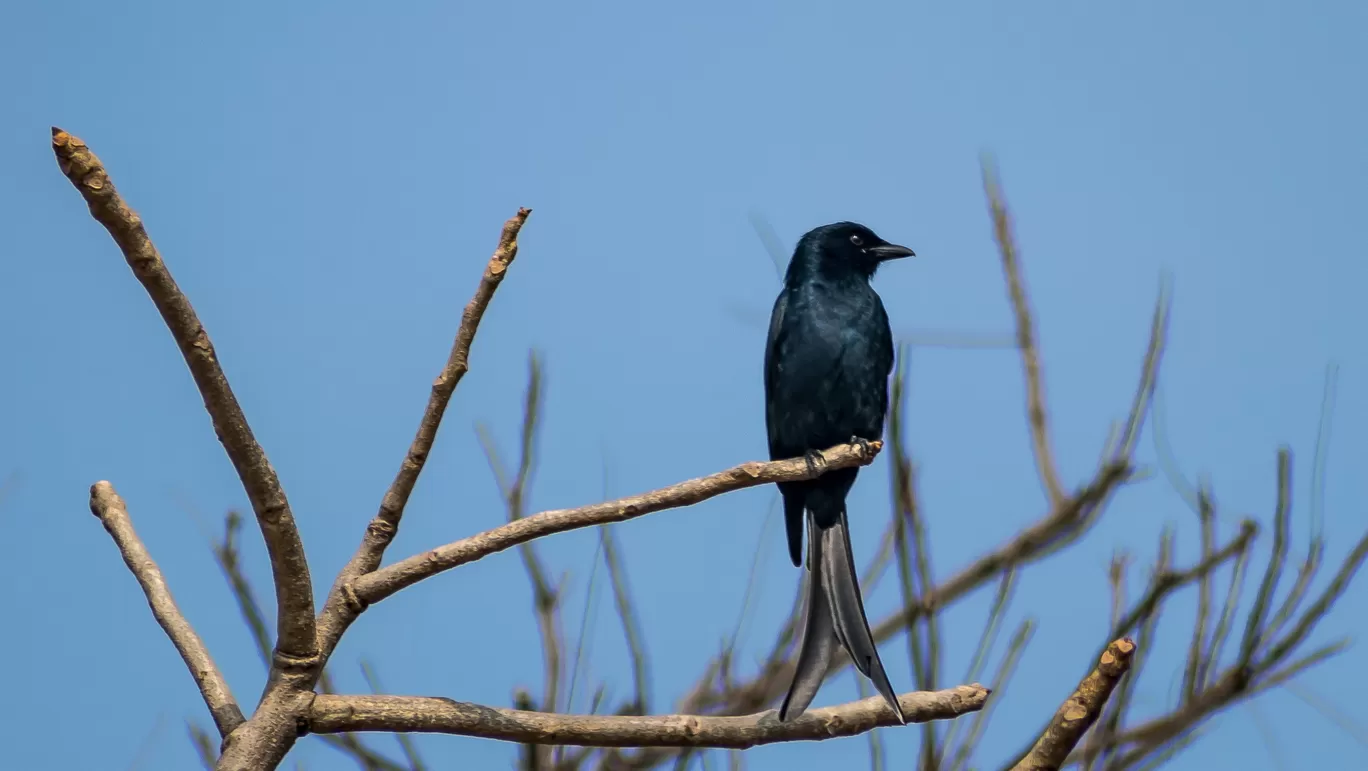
(1192, 673)
(1025, 336)
(332, 714)
(1165, 581)
(631, 625)
(911, 546)
(342, 608)
(383, 583)
(290, 569)
(109, 508)
(987, 639)
(1243, 679)
(1006, 668)
(1080, 710)
(227, 556)
(1273, 572)
(545, 597)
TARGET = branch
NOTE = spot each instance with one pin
(1167, 581)
(1025, 337)
(1006, 668)
(383, 583)
(545, 597)
(109, 508)
(332, 714)
(631, 625)
(1080, 710)
(294, 592)
(228, 558)
(341, 608)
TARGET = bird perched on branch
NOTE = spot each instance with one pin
(827, 363)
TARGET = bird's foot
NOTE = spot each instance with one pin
(865, 450)
(816, 464)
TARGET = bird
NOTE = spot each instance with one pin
(828, 357)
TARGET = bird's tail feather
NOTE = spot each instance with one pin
(852, 626)
(834, 613)
(819, 635)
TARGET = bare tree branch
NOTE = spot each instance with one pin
(227, 555)
(1006, 668)
(911, 546)
(1165, 581)
(1080, 710)
(985, 645)
(331, 714)
(1281, 518)
(1025, 331)
(106, 505)
(290, 569)
(382, 583)
(342, 608)
(545, 597)
(631, 625)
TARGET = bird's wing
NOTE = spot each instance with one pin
(774, 353)
(774, 345)
(885, 348)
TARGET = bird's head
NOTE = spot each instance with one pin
(842, 249)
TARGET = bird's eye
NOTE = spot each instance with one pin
(855, 239)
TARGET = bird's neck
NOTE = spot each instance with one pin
(841, 280)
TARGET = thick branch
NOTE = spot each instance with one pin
(294, 592)
(1080, 710)
(381, 530)
(109, 508)
(382, 583)
(332, 714)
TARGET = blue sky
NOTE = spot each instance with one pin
(326, 182)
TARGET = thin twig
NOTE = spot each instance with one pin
(206, 748)
(1006, 668)
(1025, 329)
(289, 568)
(545, 597)
(1166, 581)
(383, 583)
(109, 508)
(985, 645)
(1225, 623)
(1192, 671)
(1269, 586)
(631, 625)
(341, 607)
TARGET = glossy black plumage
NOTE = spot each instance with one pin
(827, 363)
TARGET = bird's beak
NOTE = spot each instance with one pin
(891, 252)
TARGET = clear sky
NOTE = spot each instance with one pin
(327, 180)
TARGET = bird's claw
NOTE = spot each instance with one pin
(816, 463)
(865, 450)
